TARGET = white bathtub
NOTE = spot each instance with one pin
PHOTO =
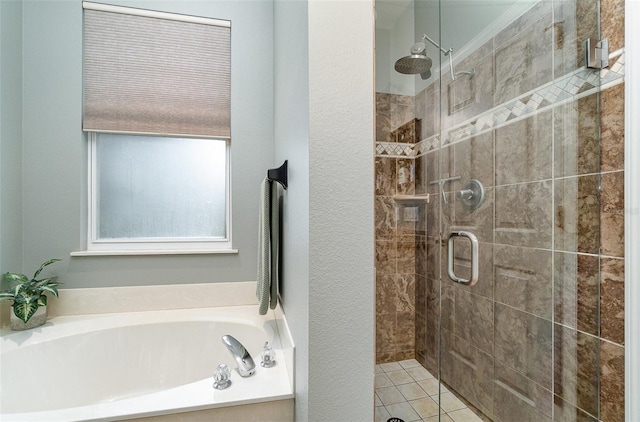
(139, 364)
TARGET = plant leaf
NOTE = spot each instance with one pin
(51, 289)
(44, 264)
(25, 311)
(15, 277)
(42, 301)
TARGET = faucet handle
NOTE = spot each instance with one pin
(222, 377)
(268, 356)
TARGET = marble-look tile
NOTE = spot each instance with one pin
(611, 382)
(422, 262)
(577, 214)
(612, 22)
(402, 110)
(612, 299)
(519, 25)
(472, 374)
(469, 95)
(517, 397)
(405, 177)
(523, 279)
(385, 176)
(576, 137)
(386, 256)
(464, 415)
(474, 320)
(382, 380)
(523, 214)
(576, 366)
(385, 337)
(574, 22)
(406, 255)
(405, 339)
(525, 61)
(385, 294)
(420, 164)
(523, 150)
(473, 159)
(383, 117)
(565, 412)
(576, 300)
(405, 292)
(427, 109)
(612, 128)
(421, 336)
(612, 214)
(524, 343)
(385, 215)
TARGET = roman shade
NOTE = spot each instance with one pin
(156, 73)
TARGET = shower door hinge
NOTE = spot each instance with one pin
(596, 53)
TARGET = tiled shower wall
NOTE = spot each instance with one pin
(395, 237)
(541, 333)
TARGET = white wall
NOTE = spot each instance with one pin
(324, 126)
(10, 136)
(55, 153)
(341, 279)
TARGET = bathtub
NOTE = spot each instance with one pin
(121, 366)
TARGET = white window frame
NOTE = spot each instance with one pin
(145, 246)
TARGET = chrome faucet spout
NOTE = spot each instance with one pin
(246, 365)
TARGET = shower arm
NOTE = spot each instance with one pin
(448, 53)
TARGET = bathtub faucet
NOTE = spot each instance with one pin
(246, 366)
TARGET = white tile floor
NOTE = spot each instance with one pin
(407, 391)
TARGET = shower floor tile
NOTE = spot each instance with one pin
(407, 391)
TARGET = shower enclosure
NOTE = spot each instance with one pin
(488, 251)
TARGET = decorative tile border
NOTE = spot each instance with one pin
(580, 83)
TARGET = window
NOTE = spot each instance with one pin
(157, 113)
(150, 192)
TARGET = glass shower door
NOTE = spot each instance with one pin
(513, 220)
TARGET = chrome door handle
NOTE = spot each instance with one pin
(474, 258)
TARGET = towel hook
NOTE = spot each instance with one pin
(279, 175)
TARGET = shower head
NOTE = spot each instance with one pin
(417, 62)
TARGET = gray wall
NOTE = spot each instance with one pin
(291, 104)
(10, 136)
(55, 151)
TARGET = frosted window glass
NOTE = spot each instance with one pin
(151, 188)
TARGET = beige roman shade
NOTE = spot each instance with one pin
(156, 73)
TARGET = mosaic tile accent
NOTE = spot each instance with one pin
(577, 84)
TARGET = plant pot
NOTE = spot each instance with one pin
(36, 320)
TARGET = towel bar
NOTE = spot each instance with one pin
(279, 175)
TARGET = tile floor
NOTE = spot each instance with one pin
(407, 391)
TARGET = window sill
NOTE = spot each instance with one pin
(154, 252)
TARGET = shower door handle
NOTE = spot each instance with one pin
(474, 258)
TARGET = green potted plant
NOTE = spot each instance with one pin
(28, 296)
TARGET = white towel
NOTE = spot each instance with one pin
(268, 246)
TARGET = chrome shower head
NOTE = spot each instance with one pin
(417, 62)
